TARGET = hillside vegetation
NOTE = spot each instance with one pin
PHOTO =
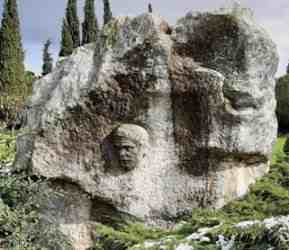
(21, 196)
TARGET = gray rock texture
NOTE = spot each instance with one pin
(152, 121)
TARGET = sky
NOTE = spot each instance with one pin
(42, 20)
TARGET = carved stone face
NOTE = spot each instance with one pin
(129, 142)
(127, 153)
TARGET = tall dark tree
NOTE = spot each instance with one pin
(150, 8)
(73, 22)
(107, 14)
(89, 25)
(12, 71)
(286, 146)
(66, 48)
(47, 59)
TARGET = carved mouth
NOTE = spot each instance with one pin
(126, 160)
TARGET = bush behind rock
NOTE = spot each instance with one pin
(282, 96)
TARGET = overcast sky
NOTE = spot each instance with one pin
(41, 19)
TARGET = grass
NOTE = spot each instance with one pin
(126, 236)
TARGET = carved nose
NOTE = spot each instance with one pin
(122, 152)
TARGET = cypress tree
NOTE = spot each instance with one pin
(150, 8)
(73, 22)
(12, 71)
(107, 14)
(89, 25)
(47, 59)
(66, 40)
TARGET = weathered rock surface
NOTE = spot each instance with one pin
(152, 121)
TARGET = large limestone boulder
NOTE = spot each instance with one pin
(152, 121)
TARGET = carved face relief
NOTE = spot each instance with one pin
(129, 142)
(127, 153)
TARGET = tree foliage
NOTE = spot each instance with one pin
(73, 22)
(47, 59)
(66, 40)
(107, 16)
(13, 86)
(11, 52)
(70, 36)
(282, 96)
(286, 146)
(150, 8)
(90, 24)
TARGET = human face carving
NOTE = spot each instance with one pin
(130, 143)
(127, 153)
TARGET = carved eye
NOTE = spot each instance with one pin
(128, 147)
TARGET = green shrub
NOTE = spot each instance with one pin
(282, 96)
(21, 196)
(278, 152)
(7, 147)
(286, 146)
(20, 222)
(125, 237)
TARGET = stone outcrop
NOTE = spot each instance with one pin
(152, 121)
